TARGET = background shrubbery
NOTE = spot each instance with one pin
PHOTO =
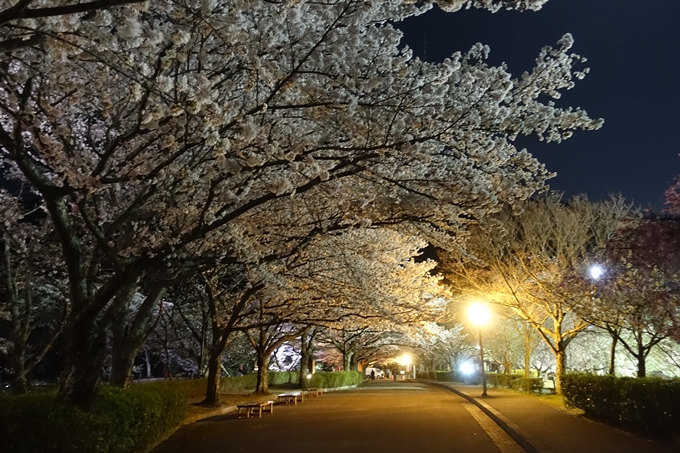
(125, 421)
(122, 421)
(648, 405)
(335, 379)
(515, 381)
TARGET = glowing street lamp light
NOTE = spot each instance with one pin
(596, 271)
(479, 315)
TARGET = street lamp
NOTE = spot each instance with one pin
(596, 271)
(479, 315)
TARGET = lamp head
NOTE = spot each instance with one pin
(479, 314)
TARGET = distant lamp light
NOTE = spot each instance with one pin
(467, 368)
(596, 271)
(309, 376)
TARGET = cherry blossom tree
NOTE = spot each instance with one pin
(160, 135)
(636, 300)
(532, 262)
(32, 283)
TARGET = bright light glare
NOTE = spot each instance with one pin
(467, 368)
(479, 314)
(405, 359)
(309, 376)
(596, 271)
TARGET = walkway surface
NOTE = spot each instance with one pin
(409, 416)
(381, 416)
(551, 430)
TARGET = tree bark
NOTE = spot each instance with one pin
(304, 358)
(128, 337)
(354, 362)
(212, 396)
(84, 352)
(147, 361)
(641, 362)
(612, 356)
(560, 368)
(19, 378)
(527, 350)
(347, 360)
(262, 386)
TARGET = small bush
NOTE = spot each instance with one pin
(648, 405)
(445, 376)
(190, 388)
(237, 384)
(283, 377)
(527, 385)
(122, 421)
(502, 380)
(429, 375)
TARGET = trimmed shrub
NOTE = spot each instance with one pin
(336, 379)
(283, 377)
(189, 388)
(130, 420)
(237, 384)
(445, 376)
(502, 380)
(429, 375)
(527, 385)
(648, 405)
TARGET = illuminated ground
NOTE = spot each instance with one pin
(383, 416)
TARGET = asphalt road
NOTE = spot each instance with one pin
(381, 416)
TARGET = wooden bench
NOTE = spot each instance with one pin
(291, 397)
(251, 408)
(312, 392)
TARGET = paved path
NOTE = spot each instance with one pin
(382, 416)
(550, 430)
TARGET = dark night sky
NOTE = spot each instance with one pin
(633, 50)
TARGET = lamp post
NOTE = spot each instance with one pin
(479, 315)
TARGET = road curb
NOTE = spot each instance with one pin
(506, 425)
(215, 413)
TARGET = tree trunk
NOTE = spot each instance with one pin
(612, 356)
(304, 361)
(84, 351)
(354, 362)
(147, 360)
(212, 394)
(641, 362)
(262, 386)
(527, 351)
(19, 383)
(560, 368)
(129, 335)
(122, 360)
(19, 376)
(347, 360)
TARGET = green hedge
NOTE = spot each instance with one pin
(515, 381)
(527, 385)
(501, 380)
(648, 405)
(335, 379)
(445, 376)
(125, 421)
(284, 377)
